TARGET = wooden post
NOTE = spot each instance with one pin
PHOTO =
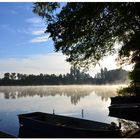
(82, 113)
(53, 112)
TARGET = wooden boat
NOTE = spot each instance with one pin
(125, 111)
(46, 125)
(125, 99)
(5, 135)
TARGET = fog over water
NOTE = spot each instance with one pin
(64, 100)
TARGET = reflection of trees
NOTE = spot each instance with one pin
(105, 92)
(74, 92)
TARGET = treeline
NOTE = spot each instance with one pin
(111, 77)
(74, 77)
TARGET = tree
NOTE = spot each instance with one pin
(13, 76)
(7, 75)
(111, 77)
(86, 32)
(19, 76)
(131, 54)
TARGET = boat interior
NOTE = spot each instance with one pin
(64, 121)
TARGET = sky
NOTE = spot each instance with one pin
(25, 48)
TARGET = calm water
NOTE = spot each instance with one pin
(64, 100)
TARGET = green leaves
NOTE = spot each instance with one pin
(46, 9)
(86, 32)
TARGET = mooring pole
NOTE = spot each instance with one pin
(120, 125)
(53, 111)
(82, 113)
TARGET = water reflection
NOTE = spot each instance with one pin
(65, 100)
(74, 92)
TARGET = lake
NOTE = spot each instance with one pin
(63, 100)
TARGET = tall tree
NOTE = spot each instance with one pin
(86, 32)
(7, 75)
(13, 76)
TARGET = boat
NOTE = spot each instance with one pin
(125, 111)
(44, 125)
(125, 100)
(6, 135)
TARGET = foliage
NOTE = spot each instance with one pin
(46, 10)
(86, 32)
(130, 52)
